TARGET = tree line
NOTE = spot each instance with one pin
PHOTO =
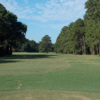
(12, 36)
(83, 35)
(45, 45)
(79, 37)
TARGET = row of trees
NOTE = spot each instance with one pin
(12, 36)
(80, 37)
(83, 35)
(45, 45)
(27, 46)
(12, 32)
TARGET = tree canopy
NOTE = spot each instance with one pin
(83, 35)
(45, 44)
(12, 32)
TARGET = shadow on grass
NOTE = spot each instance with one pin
(7, 59)
(26, 56)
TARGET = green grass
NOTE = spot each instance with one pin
(41, 76)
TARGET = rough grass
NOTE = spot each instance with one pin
(31, 76)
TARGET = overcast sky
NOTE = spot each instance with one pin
(45, 17)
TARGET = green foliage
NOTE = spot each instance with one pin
(45, 44)
(12, 32)
(71, 38)
(92, 22)
(82, 36)
(93, 10)
(28, 46)
(31, 46)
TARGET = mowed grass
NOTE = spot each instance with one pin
(40, 76)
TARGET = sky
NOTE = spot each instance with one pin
(45, 17)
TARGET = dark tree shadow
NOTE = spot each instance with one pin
(7, 59)
(26, 56)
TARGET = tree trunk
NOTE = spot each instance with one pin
(99, 48)
(93, 51)
(83, 47)
(2, 51)
(9, 49)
